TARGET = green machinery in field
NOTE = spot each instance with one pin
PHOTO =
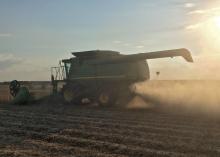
(21, 95)
(102, 76)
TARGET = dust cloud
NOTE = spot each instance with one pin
(190, 95)
(139, 103)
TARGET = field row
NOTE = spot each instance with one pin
(77, 131)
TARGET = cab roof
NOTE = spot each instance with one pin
(95, 53)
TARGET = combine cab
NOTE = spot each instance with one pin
(104, 76)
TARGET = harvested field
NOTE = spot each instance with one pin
(4, 93)
(62, 130)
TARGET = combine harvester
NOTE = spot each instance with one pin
(104, 76)
(98, 76)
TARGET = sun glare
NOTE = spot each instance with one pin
(211, 30)
(217, 21)
(208, 32)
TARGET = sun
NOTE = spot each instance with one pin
(210, 34)
(207, 30)
(217, 21)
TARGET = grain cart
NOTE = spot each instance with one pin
(103, 75)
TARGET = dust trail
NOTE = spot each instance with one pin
(139, 103)
(191, 95)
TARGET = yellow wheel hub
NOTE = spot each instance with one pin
(104, 98)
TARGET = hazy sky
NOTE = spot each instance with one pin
(35, 35)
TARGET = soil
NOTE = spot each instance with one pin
(67, 130)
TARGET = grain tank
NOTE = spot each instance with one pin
(103, 75)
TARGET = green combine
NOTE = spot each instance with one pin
(104, 76)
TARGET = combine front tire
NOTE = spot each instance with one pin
(68, 95)
(71, 94)
(106, 98)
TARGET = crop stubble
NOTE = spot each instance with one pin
(57, 130)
